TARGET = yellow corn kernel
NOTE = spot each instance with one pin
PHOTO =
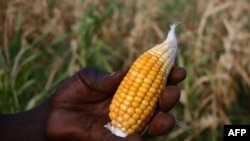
(136, 98)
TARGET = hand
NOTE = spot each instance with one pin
(79, 108)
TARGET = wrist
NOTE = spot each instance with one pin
(24, 126)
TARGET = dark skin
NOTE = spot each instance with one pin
(79, 109)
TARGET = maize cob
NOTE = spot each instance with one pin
(136, 98)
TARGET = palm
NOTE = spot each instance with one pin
(79, 108)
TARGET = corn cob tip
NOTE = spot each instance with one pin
(171, 34)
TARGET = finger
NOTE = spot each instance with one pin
(161, 124)
(100, 80)
(169, 98)
(110, 83)
(176, 75)
(133, 137)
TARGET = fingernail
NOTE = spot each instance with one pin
(113, 73)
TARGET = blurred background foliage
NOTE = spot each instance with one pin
(42, 42)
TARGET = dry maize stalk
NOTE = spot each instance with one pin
(136, 98)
